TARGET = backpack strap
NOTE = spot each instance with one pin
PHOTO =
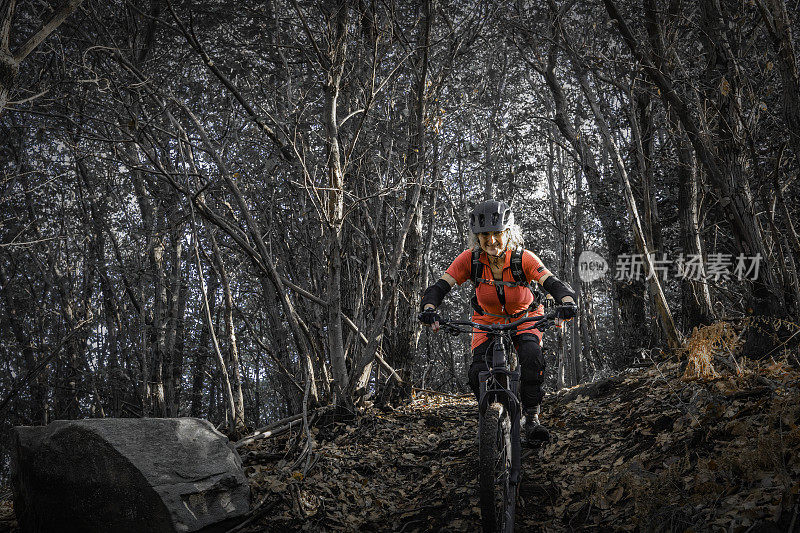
(476, 270)
(516, 266)
(519, 276)
(502, 283)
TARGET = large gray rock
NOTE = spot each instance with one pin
(127, 475)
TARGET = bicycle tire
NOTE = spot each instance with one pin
(494, 472)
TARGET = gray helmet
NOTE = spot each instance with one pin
(490, 215)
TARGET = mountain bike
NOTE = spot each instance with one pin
(499, 408)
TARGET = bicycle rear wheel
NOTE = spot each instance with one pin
(494, 473)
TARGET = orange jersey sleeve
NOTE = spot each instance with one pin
(532, 266)
(461, 267)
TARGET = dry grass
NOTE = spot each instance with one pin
(703, 344)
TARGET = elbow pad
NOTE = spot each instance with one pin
(435, 294)
(558, 289)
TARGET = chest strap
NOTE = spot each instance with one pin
(515, 315)
(503, 283)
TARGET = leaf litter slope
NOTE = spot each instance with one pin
(647, 450)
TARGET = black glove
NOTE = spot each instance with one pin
(566, 311)
(428, 316)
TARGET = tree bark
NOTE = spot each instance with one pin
(695, 295)
(580, 332)
(203, 350)
(225, 377)
(230, 332)
(335, 199)
(779, 28)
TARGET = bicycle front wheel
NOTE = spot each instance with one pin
(494, 472)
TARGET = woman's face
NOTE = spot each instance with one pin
(493, 242)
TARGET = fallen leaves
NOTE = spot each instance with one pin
(677, 455)
(645, 450)
(414, 466)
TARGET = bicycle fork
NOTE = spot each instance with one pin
(493, 390)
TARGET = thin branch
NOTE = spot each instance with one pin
(348, 322)
(194, 43)
(55, 21)
(351, 115)
(268, 430)
(28, 99)
(321, 59)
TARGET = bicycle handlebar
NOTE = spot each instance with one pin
(454, 325)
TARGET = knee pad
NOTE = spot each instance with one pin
(474, 371)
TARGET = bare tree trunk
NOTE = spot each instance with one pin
(730, 188)
(203, 352)
(697, 307)
(557, 215)
(696, 298)
(225, 378)
(280, 342)
(259, 255)
(375, 332)
(401, 344)
(779, 28)
(580, 332)
(38, 412)
(667, 324)
(233, 348)
(335, 201)
(728, 131)
(178, 341)
(173, 368)
(627, 307)
(157, 398)
(641, 123)
(363, 378)
(66, 398)
(9, 69)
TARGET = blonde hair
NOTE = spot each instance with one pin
(514, 233)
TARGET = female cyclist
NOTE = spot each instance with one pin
(502, 270)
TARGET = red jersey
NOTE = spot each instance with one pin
(517, 298)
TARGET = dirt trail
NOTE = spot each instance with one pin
(646, 450)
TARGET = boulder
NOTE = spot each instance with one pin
(127, 475)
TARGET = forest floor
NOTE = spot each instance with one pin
(647, 450)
